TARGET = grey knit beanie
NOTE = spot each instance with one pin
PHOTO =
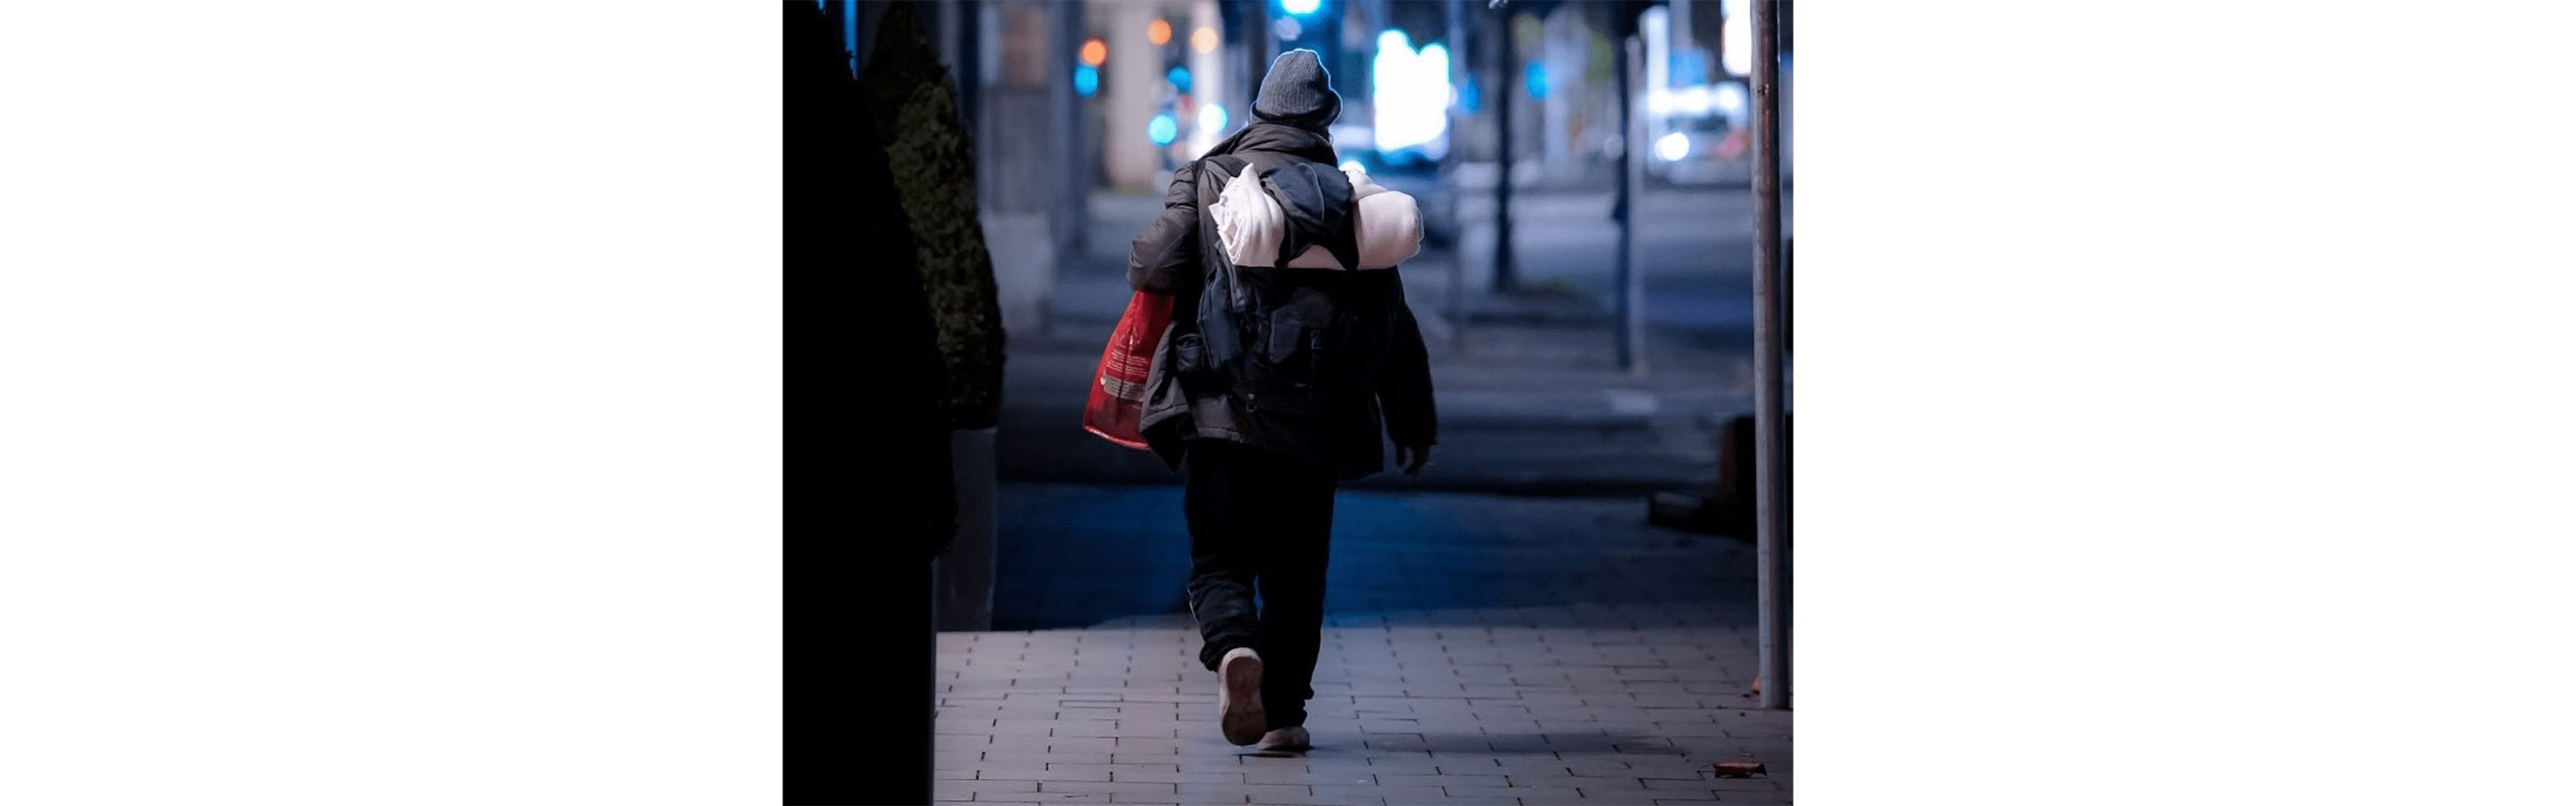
(1297, 92)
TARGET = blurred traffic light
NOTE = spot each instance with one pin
(1086, 76)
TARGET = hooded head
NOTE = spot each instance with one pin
(1297, 92)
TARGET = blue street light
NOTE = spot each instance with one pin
(1086, 80)
(1163, 129)
(1180, 78)
(1300, 8)
(1535, 78)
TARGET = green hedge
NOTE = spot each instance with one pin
(913, 102)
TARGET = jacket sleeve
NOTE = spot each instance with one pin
(1169, 248)
(1404, 385)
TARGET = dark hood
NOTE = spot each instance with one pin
(1288, 140)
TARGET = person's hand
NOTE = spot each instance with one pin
(1412, 458)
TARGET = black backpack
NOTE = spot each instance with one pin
(1286, 341)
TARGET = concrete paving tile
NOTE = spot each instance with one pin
(1044, 797)
(1398, 779)
(1560, 797)
(1146, 772)
(1141, 744)
(1105, 789)
(1244, 793)
(1417, 764)
(984, 787)
(1295, 774)
(1340, 777)
(1340, 800)
(1392, 794)
(1481, 794)
(1600, 768)
(1561, 781)
(1669, 785)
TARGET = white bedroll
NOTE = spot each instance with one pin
(1388, 225)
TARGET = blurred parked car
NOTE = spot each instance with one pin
(1409, 171)
(1695, 135)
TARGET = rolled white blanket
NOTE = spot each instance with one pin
(1388, 225)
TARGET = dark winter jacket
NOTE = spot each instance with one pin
(1312, 363)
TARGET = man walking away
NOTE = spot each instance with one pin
(1273, 384)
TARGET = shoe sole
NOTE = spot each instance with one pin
(1238, 701)
(1296, 747)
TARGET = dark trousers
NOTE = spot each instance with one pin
(1260, 520)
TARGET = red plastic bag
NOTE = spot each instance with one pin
(1118, 389)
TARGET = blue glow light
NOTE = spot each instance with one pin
(1212, 120)
(1163, 129)
(1535, 78)
(1689, 68)
(1180, 78)
(1086, 80)
(1300, 7)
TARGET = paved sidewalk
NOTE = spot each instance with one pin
(1520, 706)
(1478, 649)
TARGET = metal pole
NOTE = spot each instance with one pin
(1631, 289)
(1506, 70)
(1459, 68)
(966, 48)
(1770, 425)
(1679, 24)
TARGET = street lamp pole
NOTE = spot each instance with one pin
(1506, 70)
(1771, 432)
(1632, 131)
(1460, 67)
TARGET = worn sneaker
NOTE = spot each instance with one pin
(1292, 737)
(1238, 697)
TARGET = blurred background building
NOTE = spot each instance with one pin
(1081, 110)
